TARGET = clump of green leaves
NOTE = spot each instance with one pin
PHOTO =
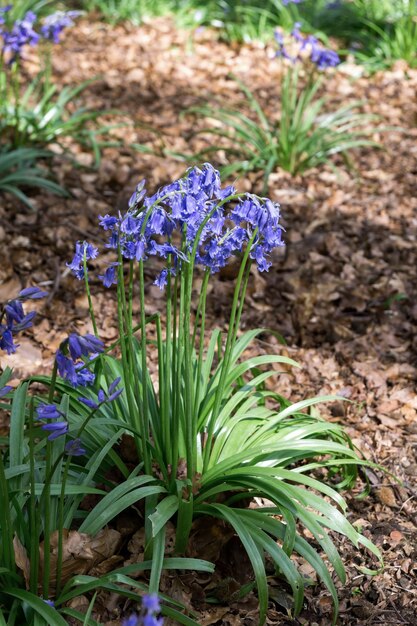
(304, 135)
(20, 169)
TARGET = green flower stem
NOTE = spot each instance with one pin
(166, 366)
(33, 516)
(190, 422)
(231, 334)
(88, 292)
(201, 313)
(6, 526)
(16, 96)
(174, 415)
(133, 413)
(145, 409)
(47, 521)
(241, 300)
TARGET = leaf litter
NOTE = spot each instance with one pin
(342, 294)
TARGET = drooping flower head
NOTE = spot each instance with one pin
(193, 216)
(299, 48)
(83, 249)
(13, 319)
(72, 368)
(21, 35)
(54, 24)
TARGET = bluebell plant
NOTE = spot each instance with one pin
(306, 47)
(204, 421)
(27, 31)
(209, 434)
(32, 114)
(148, 617)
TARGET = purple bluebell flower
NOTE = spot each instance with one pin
(31, 293)
(74, 448)
(307, 46)
(57, 429)
(83, 376)
(109, 277)
(86, 345)
(66, 367)
(54, 24)
(16, 318)
(108, 222)
(6, 340)
(326, 58)
(22, 34)
(151, 603)
(138, 195)
(49, 602)
(48, 412)
(82, 248)
(51, 412)
(161, 280)
(195, 207)
(5, 390)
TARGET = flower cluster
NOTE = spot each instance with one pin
(195, 208)
(72, 367)
(22, 33)
(151, 606)
(54, 24)
(57, 426)
(83, 250)
(305, 47)
(15, 318)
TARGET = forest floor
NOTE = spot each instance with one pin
(342, 293)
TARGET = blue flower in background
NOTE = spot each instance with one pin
(5, 390)
(54, 24)
(307, 46)
(19, 36)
